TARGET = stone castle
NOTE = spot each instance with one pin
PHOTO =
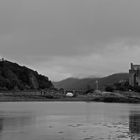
(134, 75)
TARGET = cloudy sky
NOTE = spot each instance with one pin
(71, 38)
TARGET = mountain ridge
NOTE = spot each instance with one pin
(84, 83)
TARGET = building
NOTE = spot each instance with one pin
(134, 75)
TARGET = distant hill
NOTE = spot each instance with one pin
(74, 83)
(14, 76)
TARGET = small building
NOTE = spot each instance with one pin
(69, 94)
(134, 75)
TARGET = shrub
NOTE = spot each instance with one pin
(109, 89)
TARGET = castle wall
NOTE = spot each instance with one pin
(131, 78)
(134, 75)
(138, 77)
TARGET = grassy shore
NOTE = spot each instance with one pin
(112, 97)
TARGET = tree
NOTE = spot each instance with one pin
(109, 89)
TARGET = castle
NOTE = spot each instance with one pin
(134, 75)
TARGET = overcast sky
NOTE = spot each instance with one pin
(71, 38)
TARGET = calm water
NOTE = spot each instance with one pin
(69, 121)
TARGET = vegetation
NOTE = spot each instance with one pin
(122, 86)
(109, 89)
(90, 83)
(119, 86)
(16, 77)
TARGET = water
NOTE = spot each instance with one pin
(69, 121)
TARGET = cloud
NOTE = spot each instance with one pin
(116, 60)
(70, 37)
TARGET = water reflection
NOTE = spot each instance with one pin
(13, 125)
(69, 121)
(134, 125)
(14, 121)
(1, 124)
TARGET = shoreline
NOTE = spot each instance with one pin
(112, 98)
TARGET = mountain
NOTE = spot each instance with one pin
(74, 83)
(14, 76)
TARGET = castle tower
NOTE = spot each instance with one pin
(134, 75)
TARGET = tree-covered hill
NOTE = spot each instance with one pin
(16, 77)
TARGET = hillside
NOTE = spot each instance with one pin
(73, 83)
(16, 77)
